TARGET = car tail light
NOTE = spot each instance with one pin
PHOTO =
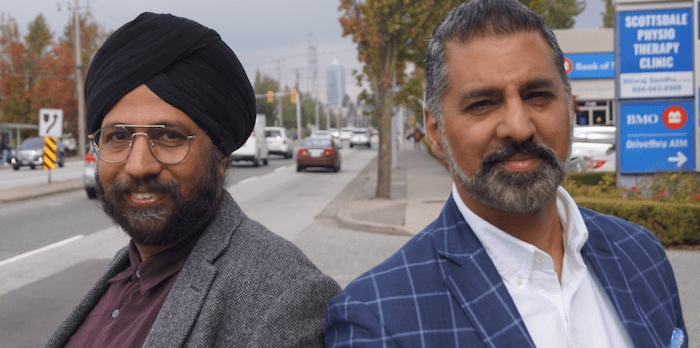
(596, 164)
(302, 151)
(89, 158)
(330, 152)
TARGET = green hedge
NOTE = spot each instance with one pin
(672, 223)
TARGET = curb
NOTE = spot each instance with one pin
(345, 219)
(40, 190)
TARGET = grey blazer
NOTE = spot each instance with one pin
(242, 286)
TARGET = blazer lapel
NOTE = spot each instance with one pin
(475, 283)
(598, 252)
(179, 313)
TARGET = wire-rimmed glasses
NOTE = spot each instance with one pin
(169, 145)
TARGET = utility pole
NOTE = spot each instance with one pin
(279, 102)
(79, 84)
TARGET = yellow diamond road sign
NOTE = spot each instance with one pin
(50, 153)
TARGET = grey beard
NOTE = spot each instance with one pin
(517, 192)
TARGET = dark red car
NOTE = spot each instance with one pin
(318, 152)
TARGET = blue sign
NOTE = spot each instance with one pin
(656, 136)
(655, 53)
(590, 65)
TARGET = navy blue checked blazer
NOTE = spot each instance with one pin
(442, 290)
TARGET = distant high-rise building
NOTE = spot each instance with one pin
(336, 83)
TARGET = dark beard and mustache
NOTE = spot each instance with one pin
(518, 192)
(162, 225)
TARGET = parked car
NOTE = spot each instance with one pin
(255, 148)
(593, 149)
(31, 152)
(318, 152)
(89, 171)
(360, 136)
(278, 143)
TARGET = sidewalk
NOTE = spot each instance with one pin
(420, 185)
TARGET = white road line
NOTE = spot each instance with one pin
(278, 169)
(245, 181)
(42, 249)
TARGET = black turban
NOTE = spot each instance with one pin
(185, 64)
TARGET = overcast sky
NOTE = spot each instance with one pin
(269, 35)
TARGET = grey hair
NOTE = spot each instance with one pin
(478, 19)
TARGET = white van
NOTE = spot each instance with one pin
(255, 148)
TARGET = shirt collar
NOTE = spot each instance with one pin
(513, 257)
(158, 267)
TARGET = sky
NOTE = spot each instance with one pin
(272, 36)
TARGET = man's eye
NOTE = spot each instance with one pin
(169, 137)
(117, 136)
(479, 105)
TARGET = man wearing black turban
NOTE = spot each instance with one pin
(167, 102)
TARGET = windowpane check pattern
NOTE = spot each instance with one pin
(442, 290)
(169, 145)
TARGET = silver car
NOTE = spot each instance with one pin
(31, 153)
(360, 136)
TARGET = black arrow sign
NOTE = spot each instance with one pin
(46, 119)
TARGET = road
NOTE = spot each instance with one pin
(32, 224)
(38, 290)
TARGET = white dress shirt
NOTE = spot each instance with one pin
(574, 313)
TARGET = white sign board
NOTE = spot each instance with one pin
(50, 122)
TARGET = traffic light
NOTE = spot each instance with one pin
(270, 96)
(293, 97)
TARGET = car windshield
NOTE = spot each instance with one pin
(31, 143)
(311, 143)
(360, 131)
(273, 133)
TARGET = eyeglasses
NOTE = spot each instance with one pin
(169, 145)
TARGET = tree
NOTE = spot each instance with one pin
(609, 14)
(39, 72)
(557, 14)
(389, 33)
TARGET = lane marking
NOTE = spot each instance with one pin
(280, 168)
(42, 249)
(245, 181)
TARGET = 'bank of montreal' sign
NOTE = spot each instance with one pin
(590, 65)
(655, 53)
(656, 136)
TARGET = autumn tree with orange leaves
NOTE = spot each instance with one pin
(37, 71)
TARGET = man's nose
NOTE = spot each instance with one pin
(516, 121)
(141, 162)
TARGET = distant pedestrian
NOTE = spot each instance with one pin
(5, 148)
(511, 261)
(167, 102)
(417, 137)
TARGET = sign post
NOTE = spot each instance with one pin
(50, 127)
(655, 88)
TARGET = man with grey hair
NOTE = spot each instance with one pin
(511, 261)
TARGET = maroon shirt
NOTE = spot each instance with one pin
(125, 313)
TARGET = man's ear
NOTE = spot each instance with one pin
(433, 132)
